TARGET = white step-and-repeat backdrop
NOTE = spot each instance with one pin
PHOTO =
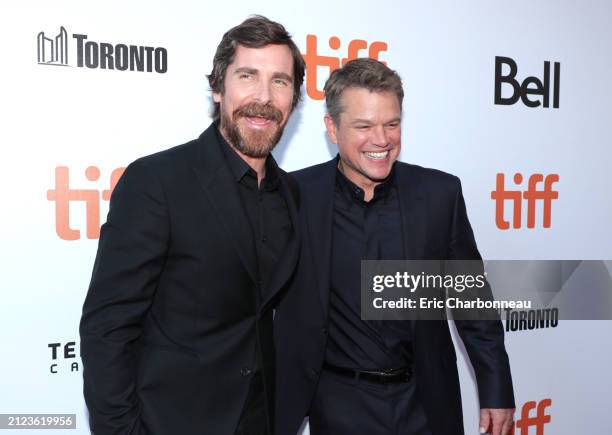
(493, 89)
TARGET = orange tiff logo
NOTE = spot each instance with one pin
(537, 421)
(314, 60)
(532, 196)
(63, 196)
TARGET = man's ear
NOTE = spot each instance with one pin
(216, 97)
(332, 129)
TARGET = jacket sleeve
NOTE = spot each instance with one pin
(483, 339)
(131, 254)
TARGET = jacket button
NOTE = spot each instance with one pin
(314, 372)
(245, 371)
(324, 330)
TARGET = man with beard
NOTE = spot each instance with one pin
(176, 333)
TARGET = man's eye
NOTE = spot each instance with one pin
(245, 76)
(393, 125)
(280, 82)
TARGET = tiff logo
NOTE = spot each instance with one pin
(538, 421)
(53, 51)
(314, 60)
(63, 196)
(532, 195)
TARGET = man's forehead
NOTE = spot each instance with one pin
(359, 92)
(363, 103)
(269, 57)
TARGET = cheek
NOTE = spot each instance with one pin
(395, 138)
(345, 150)
(284, 103)
(354, 150)
(237, 96)
(226, 103)
(358, 143)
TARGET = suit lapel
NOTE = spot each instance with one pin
(222, 192)
(413, 212)
(287, 262)
(319, 207)
(414, 218)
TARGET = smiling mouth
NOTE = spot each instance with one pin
(259, 121)
(377, 155)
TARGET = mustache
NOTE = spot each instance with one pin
(267, 111)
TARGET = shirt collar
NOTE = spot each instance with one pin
(239, 168)
(381, 191)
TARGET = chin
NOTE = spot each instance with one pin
(379, 174)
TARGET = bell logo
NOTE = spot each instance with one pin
(527, 421)
(530, 86)
(314, 60)
(63, 196)
(532, 195)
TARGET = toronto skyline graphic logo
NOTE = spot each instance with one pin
(53, 51)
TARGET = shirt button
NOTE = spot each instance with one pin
(245, 371)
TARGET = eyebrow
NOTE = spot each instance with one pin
(246, 70)
(367, 121)
(277, 75)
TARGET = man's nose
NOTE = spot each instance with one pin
(379, 136)
(263, 92)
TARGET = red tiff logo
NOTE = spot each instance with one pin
(63, 196)
(314, 60)
(527, 421)
(532, 196)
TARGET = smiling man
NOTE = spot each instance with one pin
(176, 333)
(377, 377)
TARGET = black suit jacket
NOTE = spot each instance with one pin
(435, 226)
(173, 320)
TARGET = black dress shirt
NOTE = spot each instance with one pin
(265, 207)
(364, 231)
(268, 217)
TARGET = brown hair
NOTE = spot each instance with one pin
(370, 74)
(254, 32)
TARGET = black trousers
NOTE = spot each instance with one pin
(344, 406)
(254, 418)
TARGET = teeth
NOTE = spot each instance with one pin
(379, 155)
(258, 119)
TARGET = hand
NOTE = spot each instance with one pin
(496, 421)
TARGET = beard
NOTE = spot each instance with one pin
(253, 143)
